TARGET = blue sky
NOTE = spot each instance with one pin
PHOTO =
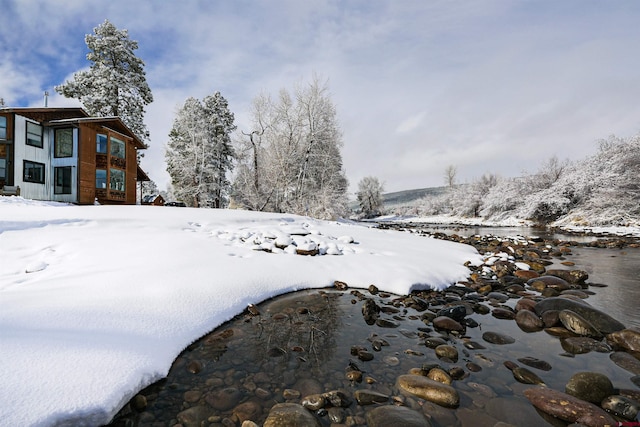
(488, 86)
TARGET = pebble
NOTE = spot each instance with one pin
(568, 408)
(497, 338)
(428, 389)
(590, 386)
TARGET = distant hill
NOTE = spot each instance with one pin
(407, 196)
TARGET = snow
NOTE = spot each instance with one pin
(97, 301)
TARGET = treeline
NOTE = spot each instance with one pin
(602, 189)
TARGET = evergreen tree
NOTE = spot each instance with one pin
(199, 153)
(115, 84)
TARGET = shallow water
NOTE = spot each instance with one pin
(302, 341)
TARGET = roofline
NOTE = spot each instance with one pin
(139, 144)
(42, 109)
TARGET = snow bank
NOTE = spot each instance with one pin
(97, 301)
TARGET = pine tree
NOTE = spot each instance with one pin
(199, 153)
(115, 84)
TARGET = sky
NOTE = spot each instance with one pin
(489, 86)
(84, 327)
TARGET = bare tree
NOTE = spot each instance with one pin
(450, 174)
(369, 196)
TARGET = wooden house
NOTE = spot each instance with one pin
(153, 200)
(63, 154)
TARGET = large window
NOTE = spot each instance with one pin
(101, 143)
(117, 148)
(3, 127)
(62, 180)
(63, 143)
(116, 179)
(33, 172)
(3, 162)
(101, 178)
(34, 134)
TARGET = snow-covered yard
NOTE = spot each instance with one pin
(97, 301)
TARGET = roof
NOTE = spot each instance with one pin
(74, 115)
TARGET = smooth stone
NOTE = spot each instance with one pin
(503, 313)
(247, 411)
(498, 296)
(567, 407)
(457, 312)
(535, 363)
(628, 339)
(440, 375)
(428, 389)
(194, 416)
(313, 402)
(589, 386)
(224, 399)
(497, 338)
(525, 304)
(433, 342)
(581, 345)
(601, 321)
(578, 324)
(447, 324)
(525, 376)
(369, 397)
(621, 406)
(388, 415)
(447, 351)
(577, 277)
(290, 415)
(626, 361)
(543, 282)
(528, 321)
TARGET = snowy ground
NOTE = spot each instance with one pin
(97, 301)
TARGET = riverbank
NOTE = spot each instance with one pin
(473, 354)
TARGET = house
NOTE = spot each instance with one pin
(63, 154)
(153, 199)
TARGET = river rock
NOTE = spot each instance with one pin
(577, 277)
(567, 407)
(428, 389)
(290, 415)
(370, 311)
(601, 321)
(621, 406)
(628, 339)
(626, 362)
(194, 416)
(497, 338)
(578, 324)
(525, 376)
(457, 312)
(448, 352)
(369, 397)
(528, 321)
(224, 399)
(589, 386)
(447, 324)
(535, 363)
(388, 415)
(543, 282)
(438, 374)
(249, 410)
(503, 313)
(525, 304)
(582, 345)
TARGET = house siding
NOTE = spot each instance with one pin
(24, 152)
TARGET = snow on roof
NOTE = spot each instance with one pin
(97, 301)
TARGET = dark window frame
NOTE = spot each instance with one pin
(99, 142)
(106, 179)
(57, 148)
(28, 140)
(3, 127)
(66, 187)
(28, 165)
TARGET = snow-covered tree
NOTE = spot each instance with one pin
(369, 196)
(199, 153)
(450, 174)
(292, 160)
(115, 84)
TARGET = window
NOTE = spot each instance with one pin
(101, 143)
(117, 148)
(62, 180)
(101, 178)
(34, 134)
(63, 143)
(3, 162)
(33, 172)
(116, 181)
(3, 127)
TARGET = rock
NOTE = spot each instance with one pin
(578, 324)
(457, 312)
(447, 324)
(369, 397)
(567, 407)
(535, 363)
(440, 375)
(433, 342)
(388, 415)
(503, 313)
(497, 338)
(370, 311)
(601, 321)
(525, 376)
(589, 386)
(249, 410)
(626, 362)
(224, 399)
(498, 296)
(313, 402)
(447, 351)
(194, 416)
(525, 304)
(577, 277)
(428, 389)
(544, 282)
(528, 321)
(581, 345)
(621, 406)
(290, 415)
(628, 339)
